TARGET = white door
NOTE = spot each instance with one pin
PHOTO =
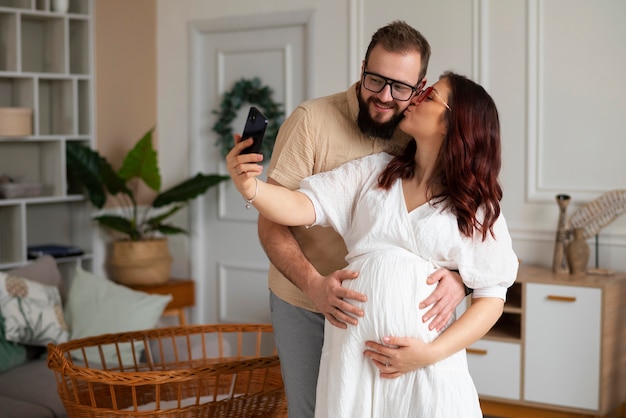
(228, 263)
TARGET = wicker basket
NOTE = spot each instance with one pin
(185, 371)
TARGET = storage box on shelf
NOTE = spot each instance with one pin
(16, 121)
(560, 347)
(45, 66)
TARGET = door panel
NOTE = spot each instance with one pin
(232, 273)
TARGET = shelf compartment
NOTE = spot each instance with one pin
(16, 92)
(8, 42)
(12, 245)
(508, 327)
(17, 4)
(75, 187)
(84, 107)
(514, 297)
(79, 39)
(80, 7)
(35, 161)
(43, 43)
(60, 223)
(56, 107)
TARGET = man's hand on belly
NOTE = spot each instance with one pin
(330, 297)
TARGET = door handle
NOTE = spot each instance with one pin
(561, 298)
(477, 351)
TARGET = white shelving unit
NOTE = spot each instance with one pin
(46, 64)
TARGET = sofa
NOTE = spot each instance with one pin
(74, 305)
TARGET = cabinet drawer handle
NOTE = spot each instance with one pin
(562, 298)
(476, 351)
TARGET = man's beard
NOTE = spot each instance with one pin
(370, 127)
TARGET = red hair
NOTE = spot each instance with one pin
(469, 160)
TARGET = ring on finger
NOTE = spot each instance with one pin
(387, 362)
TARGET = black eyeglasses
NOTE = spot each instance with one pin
(399, 90)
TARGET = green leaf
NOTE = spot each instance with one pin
(188, 189)
(142, 162)
(84, 164)
(95, 173)
(114, 183)
(120, 224)
(156, 220)
(167, 229)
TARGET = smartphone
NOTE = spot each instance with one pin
(256, 123)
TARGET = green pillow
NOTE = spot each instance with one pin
(98, 306)
(11, 354)
(32, 311)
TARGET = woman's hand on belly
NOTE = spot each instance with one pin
(399, 355)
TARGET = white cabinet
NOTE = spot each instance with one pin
(496, 368)
(45, 65)
(560, 346)
(562, 360)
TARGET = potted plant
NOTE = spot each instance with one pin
(140, 254)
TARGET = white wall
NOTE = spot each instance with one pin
(555, 69)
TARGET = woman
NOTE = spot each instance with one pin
(436, 205)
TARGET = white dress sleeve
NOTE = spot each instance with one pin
(490, 266)
(335, 193)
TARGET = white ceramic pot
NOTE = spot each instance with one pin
(60, 6)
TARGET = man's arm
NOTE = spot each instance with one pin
(325, 292)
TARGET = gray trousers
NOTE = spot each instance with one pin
(299, 336)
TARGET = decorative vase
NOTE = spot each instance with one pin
(60, 6)
(578, 253)
(559, 261)
(146, 262)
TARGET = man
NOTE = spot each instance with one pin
(306, 272)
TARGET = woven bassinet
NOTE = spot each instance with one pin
(186, 371)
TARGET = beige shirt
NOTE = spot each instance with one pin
(318, 136)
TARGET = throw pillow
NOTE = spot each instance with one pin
(11, 354)
(99, 306)
(32, 311)
(44, 270)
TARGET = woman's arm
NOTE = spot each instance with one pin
(326, 292)
(276, 203)
(398, 355)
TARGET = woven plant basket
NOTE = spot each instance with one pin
(187, 371)
(146, 262)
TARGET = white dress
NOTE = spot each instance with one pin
(394, 251)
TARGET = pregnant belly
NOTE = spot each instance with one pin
(395, 283)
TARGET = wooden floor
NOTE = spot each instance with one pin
(504, 410)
